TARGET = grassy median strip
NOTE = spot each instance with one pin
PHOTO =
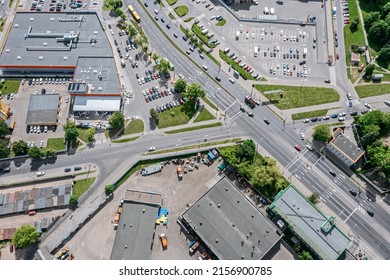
(198, 32)
(372, 90)
(171, 16)
(171, 2)
(200, 47)
(211, 104)
(296, 97)
(235, 66)
(221, 22)
(204, 144)
(126, 140)
(188, 19)
(309, 115)
(191, 128)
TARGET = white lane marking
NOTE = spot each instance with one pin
(350, 215)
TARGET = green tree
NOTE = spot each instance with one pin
(314, 198)
(90, 133)
(25, 236)
(369, 70)
(354, 24)
(229, 155)
(121, 14)
(384, 55)
(246, 151)
(35, 152)
(164, 67)
(322, 133)
(379, 32)
(50, 153)
(132, 31)
(155, 56)
(20, 148)
(180, 85)
(4, 151)
(73, 200)
(115, 4)
(153, 114)
(4, 129)
(117, 120)
(194, 91)
(71, 133)
(109, 189)
(304, 255)
(385, 10)
(370, 18)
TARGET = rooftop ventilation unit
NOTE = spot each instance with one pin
(7, 50)
(100, 88)
(31, 19)
(16, 25)
(40, 57)
(65, 58)
(51, 19)
(18, 57)
(45, 44)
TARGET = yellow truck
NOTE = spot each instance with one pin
(164, 240)
(179, 171)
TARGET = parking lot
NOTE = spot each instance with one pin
(19, 105)
(267, 46)
(57, 5)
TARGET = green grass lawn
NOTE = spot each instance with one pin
(56, 144)
(135, 126)
(372, 90)
(111, 132)
(355, 38)
(81, 186)
(198, 32)
(235, 66)
(2, 24)
(188, 19)
(296, 97)
(181, 11)
(10, 86)
(221, 22)
(172, 2)
(310, 114)
(171, 16)
(82, 134)
(193, 128)
(126, 140)
(205, 115)
(106, 5)
(176, 116)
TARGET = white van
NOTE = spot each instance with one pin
(272, 11)
(256, 52)
(205, 31)
(266, 11)
(226, 50)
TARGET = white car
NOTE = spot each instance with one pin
(204, 67)
(341, 119)
(302, 136)
(367, 105)
(306, 120)
(231, 80)
(387, 102)
(40, 173)
(151, 149)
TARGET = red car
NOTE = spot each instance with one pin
(181, 101)
(298, 148)
(32, 213)
(337, 56)
(11, 248)
(247, 30)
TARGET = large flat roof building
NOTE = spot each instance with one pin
(230, 225)
(65, 44)
(136, 228)
(43, 109)
(309, 224)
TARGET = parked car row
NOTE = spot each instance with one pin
(247, 68)
(149, 76)
(170, 105)
(345, 11)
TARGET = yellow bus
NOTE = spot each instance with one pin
(134, 13)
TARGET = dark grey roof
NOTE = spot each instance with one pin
(54, 39)
(136, 228)
(344, 149)
(318, 231)
(230, 225)
(43, 109)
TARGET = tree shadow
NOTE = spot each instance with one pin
(35, 164)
